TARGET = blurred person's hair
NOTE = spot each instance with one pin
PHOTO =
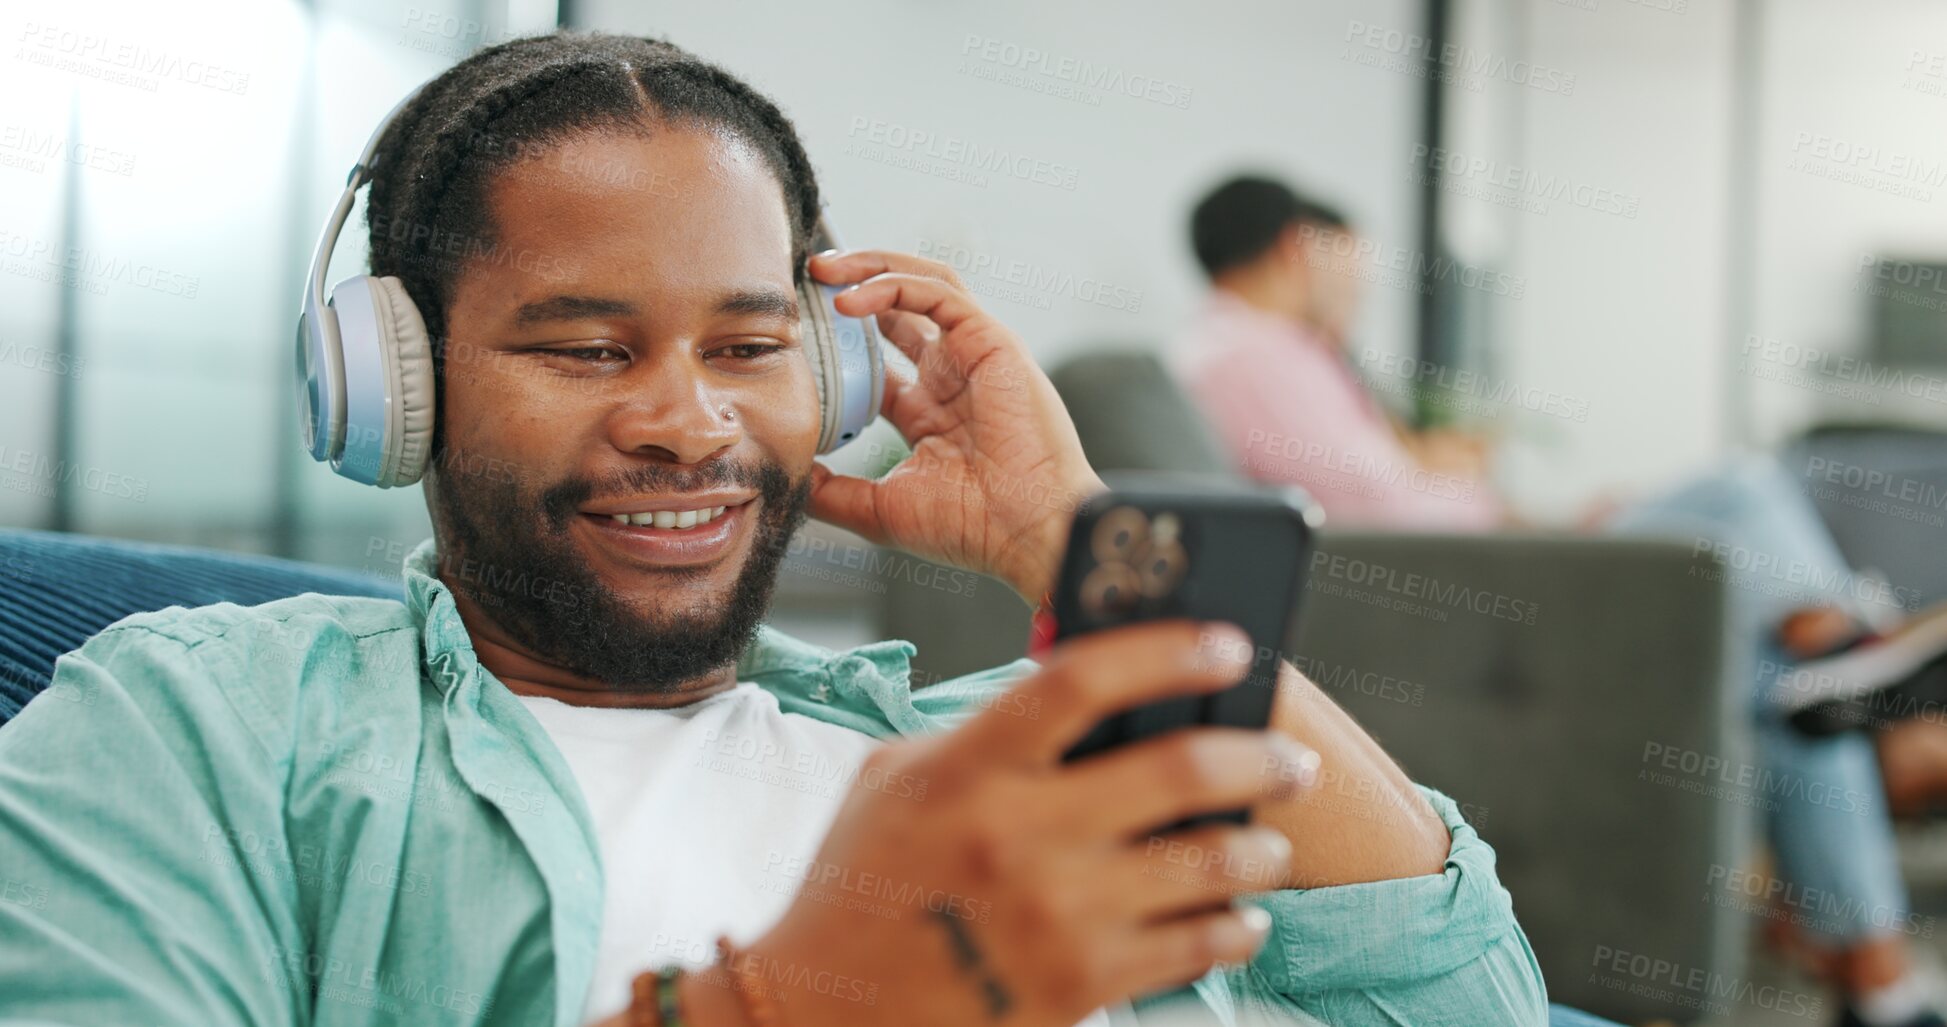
(427, 212)
(1235, 223)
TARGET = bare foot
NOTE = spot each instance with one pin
(1814, 631)
(1872, 964)
(1913, 765)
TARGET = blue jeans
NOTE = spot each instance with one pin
(1824, 805)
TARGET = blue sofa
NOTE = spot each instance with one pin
(56, 590)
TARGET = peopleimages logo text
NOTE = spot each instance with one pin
(1472, 383)
(1349, 254)
(1526, 181)
(965, 153)
(1106, 78)
(1462, 60)
(1422, 587)
(91, 48)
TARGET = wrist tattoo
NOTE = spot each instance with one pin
(967, 954)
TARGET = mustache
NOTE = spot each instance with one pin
(560, 503)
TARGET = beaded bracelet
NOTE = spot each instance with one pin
(654, 999)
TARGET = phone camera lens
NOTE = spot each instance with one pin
(1119, 532)
(1111, 590)
(1161, 566)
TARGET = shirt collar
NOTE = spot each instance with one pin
(443, 635)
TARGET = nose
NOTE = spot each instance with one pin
(673, 415)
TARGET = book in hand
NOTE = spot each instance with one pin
(1873, 682)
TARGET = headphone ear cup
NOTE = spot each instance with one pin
(388, 382)
(414, 383)
(821, 351)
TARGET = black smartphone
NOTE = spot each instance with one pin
(1167, 546)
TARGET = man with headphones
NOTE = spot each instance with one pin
(573, 778)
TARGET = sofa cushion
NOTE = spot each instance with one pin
(1132, 416)
(56, 590)
(1882, 491)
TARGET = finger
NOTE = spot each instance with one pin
(943, 303)
(1187, 871)
(907, 330)
(846, 501)
(899, 381)
(852, 502)
(1089, 677)
(843, 267)
(1176, 952)
(1140, 786)
(917, 336)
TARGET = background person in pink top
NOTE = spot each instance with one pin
(1265, 361)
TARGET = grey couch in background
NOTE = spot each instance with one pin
(1882, 490)
(1540, 681)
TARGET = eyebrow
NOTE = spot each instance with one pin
(569, 308)
(760, 302)
(763, 302)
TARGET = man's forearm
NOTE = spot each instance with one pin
(1365, 821)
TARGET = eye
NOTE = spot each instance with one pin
(748, 350)
(586, 354)
(593, 354)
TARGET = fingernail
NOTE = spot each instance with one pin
(1275, 841)
(1299, 765)
(1308, 765)
(1223, 645)
(1256, 925)
(827, 254)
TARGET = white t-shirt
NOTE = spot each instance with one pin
(710, 817)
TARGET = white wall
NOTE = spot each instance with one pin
(1635, 321)
(1646, 320)
(1859, 89)
(1269, 86)
(201, 174)
(1623, 314)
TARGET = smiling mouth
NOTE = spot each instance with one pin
(672, 537)
(670, 515)
(679, 519)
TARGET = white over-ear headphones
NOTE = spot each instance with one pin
(365, 364)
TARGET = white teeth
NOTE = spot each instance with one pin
(677, 519)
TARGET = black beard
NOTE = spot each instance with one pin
(509, 552)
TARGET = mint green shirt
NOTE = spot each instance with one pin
(324, 810)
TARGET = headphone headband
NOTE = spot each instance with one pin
(328, 241)
(321, 378)
(366, 381)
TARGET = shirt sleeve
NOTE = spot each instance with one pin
(141, 830)
(1292, 415)
(1434, 949)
